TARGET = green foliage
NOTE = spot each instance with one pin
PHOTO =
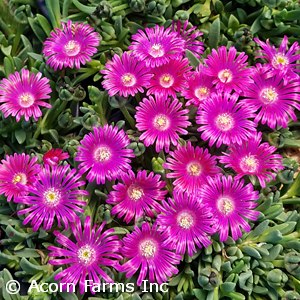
(264, 263)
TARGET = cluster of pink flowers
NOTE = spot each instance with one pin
(231, 99)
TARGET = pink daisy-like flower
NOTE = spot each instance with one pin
(92, 250)
(71, 46)
(199, 87)
(283, 59)
(254, 159)
(125, 75)
(137, 196)
(103, 154)
(148, 252)
(272, 98)
(190, 37)
(54, 156)
(22, 94)
(223, 120)
(169, 78)
(18, 172)
(54, 196)
(231, 203)
(156, 46)
(188, 223)
(230, 71)
(162, 120)
(190, 166)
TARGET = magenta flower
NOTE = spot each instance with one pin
(190, 37)
(156, 46)
(223, 120)
(230, 71)
(148, 252)
(103, 154)
(125, 75)
(71, 46)
(231, 203)
(22, 94)
(169, 78)
(92, 250)
(199, 87)
(283, 59)
(253, 158)
(161, 120)
(137, 196)
(190, 166)
(54, 196)
(54, 156)
(272, 98)
(188, 223)
(18, 173)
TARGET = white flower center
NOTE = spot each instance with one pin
(249, 164)
(128, 79)
(280, 60)
(194, 169)
(225, 76)
(166, 80)
(269, 95)
(148, 248)
(26, 100)
(72, 48)
(185, 220)
(19, 177)
(135, 192)
(225, 205)
(202, 92)
(156, 50)
(102, 154)
(52, 197)
(224, 122)
(161, 122)
(86, 255)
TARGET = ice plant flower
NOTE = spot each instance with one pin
(125, 75)
(17, 173)
(282, 59)
(70, 46)
(229, 71)
(199, 87)
(54, 156)
(190, 166)
(161, 120)
(103, 154)
(223, 120)
(169, 78)
(273, 99)
(254, 159)
(149, 253)
(92, 250)
(156, 46)
(22, 95)
(188, 223)
(232, 203)
(54, 196)
(190, 37)
(137, 195)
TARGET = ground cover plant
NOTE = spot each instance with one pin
(150, 141)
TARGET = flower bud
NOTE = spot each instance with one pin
(156, 8)
(157, 165)
(137, 5)
(65, 119)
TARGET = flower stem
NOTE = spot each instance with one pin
(127, 116)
